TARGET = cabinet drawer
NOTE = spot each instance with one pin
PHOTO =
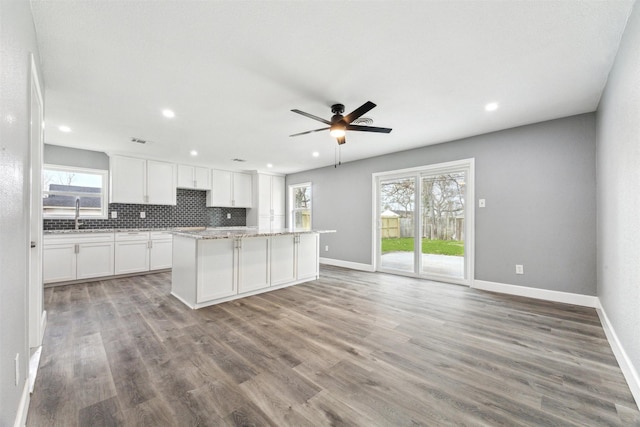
(57, 239)
(124, 236)
(161, 235)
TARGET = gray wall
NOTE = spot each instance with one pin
(64, 156)
(618, 149)
(539, 184)
(17, 40)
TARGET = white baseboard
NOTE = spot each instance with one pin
(543, 294)
(347, 264)
(628, 370)
(23, 408)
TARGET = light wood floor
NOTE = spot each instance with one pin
(353, 348)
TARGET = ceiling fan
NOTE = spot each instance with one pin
(339, 124)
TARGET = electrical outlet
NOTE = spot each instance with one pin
(17, 360)
(114, 214)
(229, 216)
(519, 269)
(326, 248)
(482, 203)
(143, 215)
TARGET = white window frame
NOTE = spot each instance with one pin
(293, 210)
(103, 195)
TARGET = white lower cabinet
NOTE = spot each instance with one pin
(77, 257)
(140, 251)
(283, 259)
(307, 253)
(208, 271)
(132, 252)
(160, 250)
(216, 260)
(253, 264)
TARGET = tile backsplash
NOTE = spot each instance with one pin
(190, 211)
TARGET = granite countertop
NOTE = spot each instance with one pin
(219, 233)
(119, 230)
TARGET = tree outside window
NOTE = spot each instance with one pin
(300, 196)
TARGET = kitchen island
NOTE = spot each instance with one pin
(213, 266)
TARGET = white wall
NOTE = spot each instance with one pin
(618, 197)
(17, 41)
(539, 184)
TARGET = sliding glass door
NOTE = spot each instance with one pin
(397, 232)
(423, 221)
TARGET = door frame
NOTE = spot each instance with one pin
(417, 172)
(37, 314)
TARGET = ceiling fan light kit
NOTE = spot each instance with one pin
(339, 124)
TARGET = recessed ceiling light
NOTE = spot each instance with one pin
(64, 128)
(315, 154)
(193, 152)
(269, 165)
(168, 113)
(492, 106)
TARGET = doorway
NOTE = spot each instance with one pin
(423, 224)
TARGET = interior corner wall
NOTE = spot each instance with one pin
(618, 195)
(17, 42)
(539, 184)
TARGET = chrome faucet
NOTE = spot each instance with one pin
(78, 223)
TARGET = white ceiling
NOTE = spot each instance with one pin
(233, 70)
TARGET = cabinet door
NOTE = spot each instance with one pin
(283, 254)
(264, 195)
(161, 183)
(160, 254)
(220, 195)
(277, 222)
(253, 265)
(242, 190)
(202, 178)
(132, 256)
(94, 260)
(59, 263)
(186, 178)
(277, 195)
(127, 180)
(216, 272)
(308, 261)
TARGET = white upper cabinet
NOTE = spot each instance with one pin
(161, 183)
(269, 200)
(142, 181)
(194, 177)
(230, 189)
(128, 178)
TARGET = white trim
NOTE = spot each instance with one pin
(347, 264)
(23, 407)
(628, 370)
(542, 294)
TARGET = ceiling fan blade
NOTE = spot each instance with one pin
(364, 108)
(311, 116)
(341, 140)
(309, 131)
(368, 129)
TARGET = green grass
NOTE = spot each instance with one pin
(440, 247)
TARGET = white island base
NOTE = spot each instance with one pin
(210, 269)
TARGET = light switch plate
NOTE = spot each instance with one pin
(228, 216)
(519, 269)
(114, 214)
(482, 203)
(143, 214)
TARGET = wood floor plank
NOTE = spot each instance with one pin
(349, 349)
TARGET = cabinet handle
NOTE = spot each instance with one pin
(150, 244)
(195, 183)
(76, 248)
